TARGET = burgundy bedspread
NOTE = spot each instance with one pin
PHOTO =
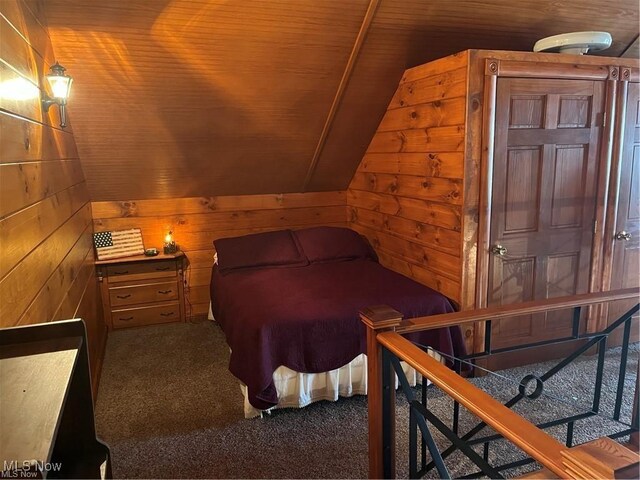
(306, 317)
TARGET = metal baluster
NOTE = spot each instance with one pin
(602, 347)
(575, 330)
(422, 423)
(413, 444)
(623, 369)
(570, 434)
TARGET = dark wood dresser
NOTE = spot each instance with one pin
(46, 414)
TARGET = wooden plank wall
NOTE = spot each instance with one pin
(407, 193)
(46, 261)
(196, 222)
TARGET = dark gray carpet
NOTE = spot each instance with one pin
(169, 408)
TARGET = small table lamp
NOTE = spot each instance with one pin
(169, 244)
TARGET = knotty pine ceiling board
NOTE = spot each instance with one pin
(180, 98)
(228, 97)
(406, 33)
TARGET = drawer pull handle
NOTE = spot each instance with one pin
(124, 296)
(163, 269)
(165, 292)
(167, 314)
(121, 273)
(126, 319)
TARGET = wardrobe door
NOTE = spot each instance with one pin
(626, 242)
(544, 198)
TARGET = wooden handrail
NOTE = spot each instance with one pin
(384, 328)
(526, 308)
(522, 433)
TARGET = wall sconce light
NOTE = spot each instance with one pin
(169, 244)
(60, 86)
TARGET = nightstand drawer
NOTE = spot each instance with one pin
(134, 317)
(147, 293)
(140, 271)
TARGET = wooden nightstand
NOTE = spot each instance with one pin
(142, 290)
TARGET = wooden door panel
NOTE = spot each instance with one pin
(522, 193)
(563, 272)
(513, 330)
(549, 88)
(625, 272)
(543, 200)
(527, 111)
(540, 136)
(516, 278)
(563, 278)
(569, 177)
(574, 111)
(517, 284)
(630, 254)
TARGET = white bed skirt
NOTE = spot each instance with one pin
(297, 390)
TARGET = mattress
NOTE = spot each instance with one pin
(305, 319)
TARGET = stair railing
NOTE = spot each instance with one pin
(386, 347)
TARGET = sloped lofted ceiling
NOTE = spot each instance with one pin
(177, 98)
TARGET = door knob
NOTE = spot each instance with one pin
(499, 250)
(623, 235)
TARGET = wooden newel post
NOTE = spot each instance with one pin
(381, 392)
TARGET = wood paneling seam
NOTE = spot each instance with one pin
(84, 292)
(630, 46)
(35, 17)
(405, 196)
(30, 120)
(45, 238)
(52, 273)
(430, 102)
(21, 75)
(2, 217)
(42, 160)
(26, 40)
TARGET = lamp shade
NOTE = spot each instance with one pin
(59, 82)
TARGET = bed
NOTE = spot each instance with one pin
(288, 301)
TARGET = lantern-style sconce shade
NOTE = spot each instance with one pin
(61, 87)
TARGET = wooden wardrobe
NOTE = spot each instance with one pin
(546, 189)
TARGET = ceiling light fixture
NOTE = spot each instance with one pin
(577, 43)
(61, 87)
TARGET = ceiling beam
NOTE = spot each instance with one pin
(632, 50)
(344, 81)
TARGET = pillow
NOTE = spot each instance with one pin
(325, 244)
(259, 250)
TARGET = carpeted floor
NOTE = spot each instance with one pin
(169, 408)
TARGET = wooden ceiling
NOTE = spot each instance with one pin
(187, 98)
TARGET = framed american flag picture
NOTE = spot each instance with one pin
(120, 243)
